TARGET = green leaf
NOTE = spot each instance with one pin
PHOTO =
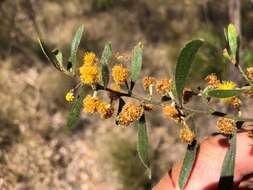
(136, 63)
(143, 144)
(105, 75)
(174, 90)
(74, 47)
(224, 93)
(106, 55)
(184, 62)
(120, 106)
(76, 109)
(46, 53)
(228, 166)
(232, 39)
(59, 57)
(189, 160)
(226, 34)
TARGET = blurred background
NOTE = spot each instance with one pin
(37, 151)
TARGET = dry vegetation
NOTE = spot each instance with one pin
(36, 149)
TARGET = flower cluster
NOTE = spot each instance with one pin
(213, 82)
(171, 112)
(148, 81)
(172, 97)
(93, 104)
(250, 73)
(187, 135)
(129, 113)
(89, 71)
(226, 126)
(90, 104)
(119, 74)
(105, 110)
(70, 96)
(120, 88)
(89, 58)
(163, 87)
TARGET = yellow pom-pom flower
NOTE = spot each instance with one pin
(148, 81)
(105, 110)
(226, 126)
(90, 104)
(212, 80)
(235, 102)
(163, 86)
(70, 96)
(129, 113)
(226, 85)
(171, 112)
(89, 58)
(187, 135)
(250, 73)
(89, 74)
(119, 74)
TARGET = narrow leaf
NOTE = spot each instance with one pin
(59, 57)
(228, 166)
(105, 74)
(74, 47)
(174, 91)
(224, 93)
(143, 144)
(46, 53)
(184, 62)
(136, 63)
(120, 106)
(232, 39)
(76, 109)
(106, 55)
(189, 160)
(226, 34)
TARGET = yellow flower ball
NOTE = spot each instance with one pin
(89, 74)
(187, 135)
(163, 87)
(89, 58)
(148, 81)
(212, 80)
(250, 73)
(70, 96)
(226, 85)
(90, 104)
(129, 113)
(119, 74)
(105, 110)
(226, 126)
(235, 102)
(171, 112)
